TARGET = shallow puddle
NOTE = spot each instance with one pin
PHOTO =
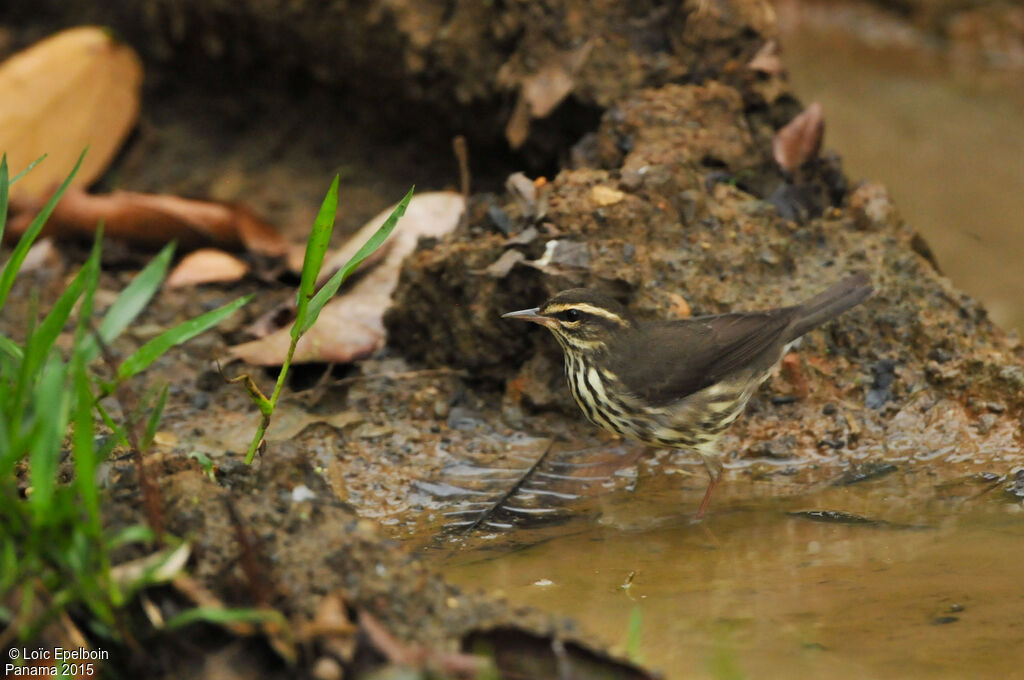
(932, 589)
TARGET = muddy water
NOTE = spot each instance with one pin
(946, 140)
(754, 591)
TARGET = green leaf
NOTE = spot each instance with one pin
(205, 463)
(316, 248)
(28, 169)
(50, 413)
(83, 446)
(11, 348)
(226, 616)
(183, 332)
(44, 337)
(154, 420)
(331, 287)
(135, 533)
(4, 188)
(25, 242)
(132, 300)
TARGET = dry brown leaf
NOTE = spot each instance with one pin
(800, 140)
(155, 219)
(42, 255)
(76, 89)
(351, 326)
(543, 90)
(767, 60)
(207, 265)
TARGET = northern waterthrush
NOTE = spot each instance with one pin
(680, 383)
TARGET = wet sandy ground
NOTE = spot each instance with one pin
(929, 591)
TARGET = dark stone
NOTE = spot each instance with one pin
(884, 375)
(500, 220)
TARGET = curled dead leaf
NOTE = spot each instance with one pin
(207, 265)
(78, 88)
(800, 140)
(768, 59)
(155, 219)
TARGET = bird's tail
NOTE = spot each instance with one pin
(848, 293)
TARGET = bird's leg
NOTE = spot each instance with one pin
(713, 464)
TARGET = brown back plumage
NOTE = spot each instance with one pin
(663, 361)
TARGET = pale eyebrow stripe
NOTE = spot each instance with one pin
(586, 309)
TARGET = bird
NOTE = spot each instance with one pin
(677, 383)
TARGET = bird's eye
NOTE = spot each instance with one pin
(572, 315)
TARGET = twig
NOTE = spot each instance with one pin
(255, 574)
(462, 156)
(398, 652)
(404, 375)
(129, 401)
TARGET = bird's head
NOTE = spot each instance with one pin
(580, 318)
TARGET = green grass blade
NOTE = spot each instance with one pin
(11, 348)
(225, 616)
(135, 533)
(183, 332)
(316, 249)
(50, 413)
(4, 188)
(132, 300)
(331, 287)
(13, 265)
(153, 421)
(44, 337)
(83, 446)
(28, 169)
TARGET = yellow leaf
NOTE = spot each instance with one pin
(75, 89)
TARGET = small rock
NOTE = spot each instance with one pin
(302, 493)
(500, 219)
(462, 418)
(605, 195)
(986, 423)
(872, 208)
(779, 449)
(884, 376)
(1015, 489)
(631, 180)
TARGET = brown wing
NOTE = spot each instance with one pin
(665, 361)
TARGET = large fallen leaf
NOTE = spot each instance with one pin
(351, 327)
(76, 89)
(155, 219)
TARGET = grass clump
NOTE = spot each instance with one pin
(54, 551)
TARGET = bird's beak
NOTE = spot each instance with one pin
(530, 315)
